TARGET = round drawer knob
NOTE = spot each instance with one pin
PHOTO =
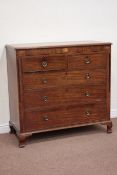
(87, 113)
(87, 94)
(87, 76)
(87, 60)
(44, 64)
(45, 117)
(44, 80)
(45, 98)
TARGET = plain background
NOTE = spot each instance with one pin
(33, 21)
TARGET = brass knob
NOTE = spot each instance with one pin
(87, 94)
(87, 76)
(87, 60)
(45, 117)
(44, 64)
(87, 113)
(45, 98)
(44, 80)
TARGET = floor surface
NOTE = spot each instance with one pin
(81, 151)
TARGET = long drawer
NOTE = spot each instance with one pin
(44, 63)
(69, 116)
(52, 79)
(55, 97)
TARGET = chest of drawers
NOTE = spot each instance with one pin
(58, 85)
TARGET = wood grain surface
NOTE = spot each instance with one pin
(58, 86)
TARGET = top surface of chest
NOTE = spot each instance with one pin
(58, 44)
(67, 48)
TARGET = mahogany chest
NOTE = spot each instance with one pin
(58, 85)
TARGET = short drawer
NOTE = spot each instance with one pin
(65, 117)
(53, 79)
(57, 96)
(44, 63)
(87, 61)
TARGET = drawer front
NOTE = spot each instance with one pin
(65, 117)
(88, 61)
(44, 63)
(55, 97)
(63, 50)
(50, 79)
